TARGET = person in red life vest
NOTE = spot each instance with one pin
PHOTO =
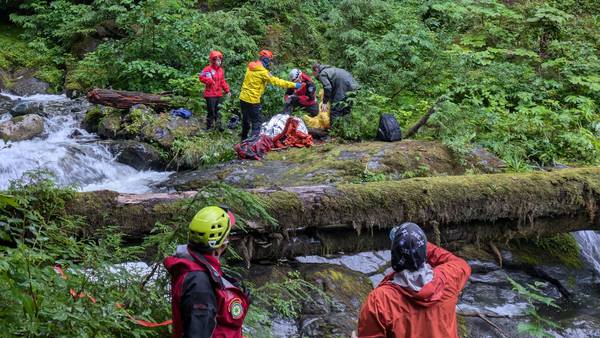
(205, 302)
(418, 299)
(213, 78)
(304, 98)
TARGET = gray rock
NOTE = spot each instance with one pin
(140, 155)
(22, 128)
(6, 104)
(109, 126)
(28, 107)
(25, 85)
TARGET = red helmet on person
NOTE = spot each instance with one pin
(266, 53)
(215, 54)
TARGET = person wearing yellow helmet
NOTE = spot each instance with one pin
(205, 302)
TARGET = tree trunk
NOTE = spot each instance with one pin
(414, 129)
(122, 99)
(357, 217)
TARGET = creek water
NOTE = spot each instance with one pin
(69, 153)
(589, 241)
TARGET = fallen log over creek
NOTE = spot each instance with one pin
(357, 217)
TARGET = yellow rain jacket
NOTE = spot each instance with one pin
(255, 81)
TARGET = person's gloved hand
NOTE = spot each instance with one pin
(298, 85)
(323, 107)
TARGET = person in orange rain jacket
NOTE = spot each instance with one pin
(213, 78)
(418, 299)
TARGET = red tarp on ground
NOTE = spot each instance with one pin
(256, 148)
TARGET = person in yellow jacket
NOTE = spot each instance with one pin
(256, 79)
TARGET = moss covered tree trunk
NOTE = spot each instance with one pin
(353, 217)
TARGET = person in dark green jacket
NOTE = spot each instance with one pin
(337, 83)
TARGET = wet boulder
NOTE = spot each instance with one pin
(22, 128)
(6, 104)
(140, 155)
(28, 107)
(333, 163)
(335, 314)
(331, 306)
(95, 114)
(23, 83)
(109, 125)
(167, 127)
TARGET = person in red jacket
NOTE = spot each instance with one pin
(304, 97)
(205, 302)
(418, 299)
(213, 78)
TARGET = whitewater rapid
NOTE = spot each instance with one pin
(70, 153)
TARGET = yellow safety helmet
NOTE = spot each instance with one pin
(211, 226)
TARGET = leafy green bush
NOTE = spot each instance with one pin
(16, 54)
(210, 148)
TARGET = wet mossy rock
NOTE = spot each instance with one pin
(341, 163)
(141, 123)
(109, 125)
(98, 115)
(473, 209)
(332, 313)
(338, 315)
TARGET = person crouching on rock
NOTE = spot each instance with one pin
(418, 299)
(304, 97)
(206, 303)
(213, 78)
(256, 79)
(337, 84)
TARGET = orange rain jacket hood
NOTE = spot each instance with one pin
(393, 311)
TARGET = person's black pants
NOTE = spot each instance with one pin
(251, 116)
(338, 109)
(311, 110)
(213, 117)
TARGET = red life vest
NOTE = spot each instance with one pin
(213, 78)
(302, 93)
(232, 302)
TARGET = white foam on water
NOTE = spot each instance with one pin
(36, 97)
(78, 161)
(589, 242)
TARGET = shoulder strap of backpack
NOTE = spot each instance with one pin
(214, 274)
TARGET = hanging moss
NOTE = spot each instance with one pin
(561, 249)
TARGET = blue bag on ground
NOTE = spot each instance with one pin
(182, 112)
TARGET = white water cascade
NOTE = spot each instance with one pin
(78, 160)
(589, 242)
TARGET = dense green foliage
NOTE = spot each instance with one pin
(520, 77)
(98, 294)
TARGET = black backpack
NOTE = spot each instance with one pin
(389, 129)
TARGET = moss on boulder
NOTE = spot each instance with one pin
(333, 163)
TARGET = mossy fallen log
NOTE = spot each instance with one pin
(317, 219)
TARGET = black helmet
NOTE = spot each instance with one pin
(409, 247)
